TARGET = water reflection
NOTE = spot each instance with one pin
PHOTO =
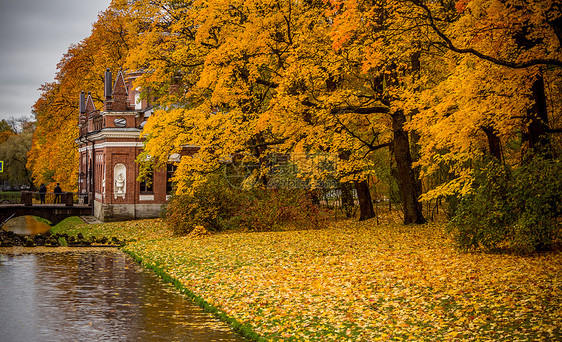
(95, 296)
(27, 225)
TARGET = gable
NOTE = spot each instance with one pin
(120, 93)
(90, 106)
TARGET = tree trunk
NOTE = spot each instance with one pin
(347, 200)
(365, 202)
(494, 145)
(415, 152)
(415, 137)
(407, 182)
(536, 136)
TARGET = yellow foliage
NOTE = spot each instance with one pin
(197, 232)
(248, 79)
(363, 282)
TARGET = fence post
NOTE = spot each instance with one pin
(26, 198)
(68, 199)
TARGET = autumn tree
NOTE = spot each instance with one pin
(252, 79)
(13, 152)
(54, 156)
(438, 84)
(490, 118)
(6, 131)
(376, 49)
(214, 78)
(501, 69)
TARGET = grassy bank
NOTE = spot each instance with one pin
(355, 282)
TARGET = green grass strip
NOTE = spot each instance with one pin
(244, 330)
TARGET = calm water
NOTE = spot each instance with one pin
(94, 295)
(27, 225)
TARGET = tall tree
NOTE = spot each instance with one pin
(13, 152)
(6, 130)
(501, 63)
(245, 77)
(54, 156)
(380, 44)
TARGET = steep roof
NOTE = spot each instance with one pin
(90, 106)
(120, 94)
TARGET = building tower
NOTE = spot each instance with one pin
(109, 143)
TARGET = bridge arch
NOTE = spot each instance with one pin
(52, 213)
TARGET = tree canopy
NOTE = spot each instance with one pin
(431, 86)
(15, 144)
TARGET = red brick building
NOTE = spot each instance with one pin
(109, 143)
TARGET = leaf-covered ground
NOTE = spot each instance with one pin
(360, 282)
(129, 231)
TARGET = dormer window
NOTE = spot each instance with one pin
(120, 122)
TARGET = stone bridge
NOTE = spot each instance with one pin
(54, 213)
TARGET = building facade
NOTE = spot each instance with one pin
(109, 143)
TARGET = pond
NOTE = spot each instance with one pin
(26, 225)
(89, 294)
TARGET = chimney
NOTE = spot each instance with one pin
(82, 102)
(108, 84)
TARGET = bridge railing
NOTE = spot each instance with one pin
(10, 197)
(33, 197)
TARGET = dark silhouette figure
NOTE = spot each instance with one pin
(58, 193)
(42, 192)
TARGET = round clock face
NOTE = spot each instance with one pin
(120, 122)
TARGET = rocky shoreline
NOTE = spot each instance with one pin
(11, 239)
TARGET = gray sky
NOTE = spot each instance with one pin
(34, 35)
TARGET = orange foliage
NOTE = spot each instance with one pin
(250, 78)
(54, 156)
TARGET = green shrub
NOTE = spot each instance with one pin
(218, 206)
(511, 209)
(210, 204)
(267, 210)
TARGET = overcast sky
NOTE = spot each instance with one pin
(34, 35)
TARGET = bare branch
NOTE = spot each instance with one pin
(361, 110)
(451, 46)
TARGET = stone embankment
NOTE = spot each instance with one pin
(10, 239)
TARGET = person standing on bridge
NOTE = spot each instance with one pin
(42, 192)
(58, 193)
